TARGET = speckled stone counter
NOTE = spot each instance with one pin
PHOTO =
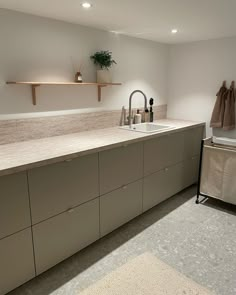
(25, 155)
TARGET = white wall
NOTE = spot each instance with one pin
(34, 48)
(39, 49)
(196, 72)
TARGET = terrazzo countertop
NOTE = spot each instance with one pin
(25, 155)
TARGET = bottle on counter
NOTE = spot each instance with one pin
(151, 101)
(146, 116)
(137, 118)
(143, 116)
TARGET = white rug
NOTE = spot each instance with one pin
(145, 275)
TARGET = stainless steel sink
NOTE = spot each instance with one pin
(147, 127)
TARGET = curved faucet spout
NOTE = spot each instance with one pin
(130, 102)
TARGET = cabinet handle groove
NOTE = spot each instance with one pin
(71, 210)
(68, 160)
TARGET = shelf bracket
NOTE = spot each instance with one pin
(34, 93)
(34, 85)
(100, 92)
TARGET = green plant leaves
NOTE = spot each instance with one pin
(103, 59)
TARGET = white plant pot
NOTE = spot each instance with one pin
(104, 76)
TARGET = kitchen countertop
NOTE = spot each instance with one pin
(20, 156)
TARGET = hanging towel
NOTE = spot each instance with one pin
(217, 117)
(229, 115)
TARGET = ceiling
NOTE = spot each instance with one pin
(148, 19)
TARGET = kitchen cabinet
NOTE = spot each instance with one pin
(174, 166)
(16, 260)
(14, 200)
(192, 141)
(120, 206)
(191, 167)
(75, 202)
(58, 187)
(162, 152)
(120, 166)
(65, 234)
(161, 185)
(168, 150)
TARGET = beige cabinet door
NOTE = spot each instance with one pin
(161, 185)
(120, 206)
(191, 170)
(62, 236)
(192, 141)
(120, 166)
(162, 152)
(58, 187)
(16, 260)
(14, 204)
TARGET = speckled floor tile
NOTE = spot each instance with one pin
(197, 240)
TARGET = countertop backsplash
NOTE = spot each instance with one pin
(16, 130)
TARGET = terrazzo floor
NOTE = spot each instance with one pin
(197, 240)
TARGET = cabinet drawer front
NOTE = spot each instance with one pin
(120, 166)
(14, 200)
(60, 237)
(120, 206)
(161, 185)
(192, 141)
(17, 261)
(191, 168)
(56, 188)
(162, 152)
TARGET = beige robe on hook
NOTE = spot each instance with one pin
(217, 117)
(229, 114)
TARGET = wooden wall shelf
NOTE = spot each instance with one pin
(34, 85)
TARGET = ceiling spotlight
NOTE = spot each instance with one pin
(174, 31)
(86, 5)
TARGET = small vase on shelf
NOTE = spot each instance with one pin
(104, 76)
(78, 77)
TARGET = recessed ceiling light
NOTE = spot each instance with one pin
(174, 31)
(86, 5)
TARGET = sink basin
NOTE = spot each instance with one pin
(147, 127)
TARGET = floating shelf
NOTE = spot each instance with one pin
(34, 85)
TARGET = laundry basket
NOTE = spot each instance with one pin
(218, 172)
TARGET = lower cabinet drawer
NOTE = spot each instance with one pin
(161, 185)
(191, 168)
(120, 206)
(57, 187)
(61, 236)
(16, 260)
(14, 200)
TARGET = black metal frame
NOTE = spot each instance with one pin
(199, 176)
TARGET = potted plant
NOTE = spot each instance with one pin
(103, 60)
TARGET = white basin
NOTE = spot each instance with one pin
(147, 127)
